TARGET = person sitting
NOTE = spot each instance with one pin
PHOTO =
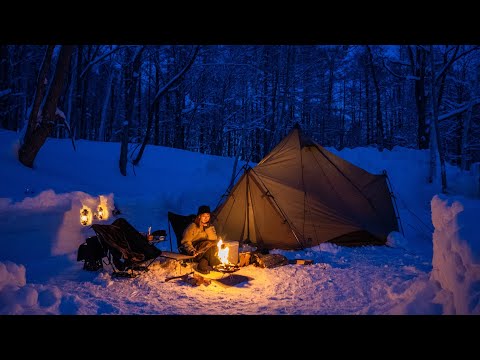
(200, 240)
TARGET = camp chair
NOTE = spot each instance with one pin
(128, 250)
(179, 223)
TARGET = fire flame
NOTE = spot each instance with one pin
(222, 252)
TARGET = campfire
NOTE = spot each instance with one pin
(226, 265)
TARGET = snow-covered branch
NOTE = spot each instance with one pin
(5, 92)
(459, 110)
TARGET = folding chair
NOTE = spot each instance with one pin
(128, 251)
(179, 224)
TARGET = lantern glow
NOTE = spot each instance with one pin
(85, 216)
(102, 209)
(100, 213)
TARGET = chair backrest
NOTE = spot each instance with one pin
(179, 224)
(122, 238)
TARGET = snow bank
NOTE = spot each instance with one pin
(17, 297)
(456, 254)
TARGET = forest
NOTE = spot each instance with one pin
(241, 100)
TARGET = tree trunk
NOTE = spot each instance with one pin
(435, 128)
(367, 107)
(153, 108)
(331, 81)
(106, 102)
(468, 121)
(131, 74)
(71, 101)
(37, 136)
(75, 115)
(5, 88)
(33, 118)
(342, 125)
(417, 62)
(379, 122)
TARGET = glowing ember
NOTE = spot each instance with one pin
(222, 252)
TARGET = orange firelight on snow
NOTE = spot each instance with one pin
(223, 252)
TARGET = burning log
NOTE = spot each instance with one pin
(195, 280)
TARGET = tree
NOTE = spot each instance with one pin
(153, 106)
(379, 123)
(44, 110)
(131, 77)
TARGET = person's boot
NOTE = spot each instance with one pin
(203, 266)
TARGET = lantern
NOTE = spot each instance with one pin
(100, 213)
(84, 216)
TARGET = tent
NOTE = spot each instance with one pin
(301, 195)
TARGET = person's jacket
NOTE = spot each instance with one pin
(194, 233)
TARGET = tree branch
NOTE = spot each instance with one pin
(100, 58)
(453, 59)
(178, 76)
(393, 73)
(459, 110)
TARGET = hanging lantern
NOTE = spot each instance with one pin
(100, 213)
(102, 209)
(85, 216)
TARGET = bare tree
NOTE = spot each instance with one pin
(173, 81)
(41, 121)
(435, 133)
(106, 102)
(379, 123)
(131, 75)
(468, 119)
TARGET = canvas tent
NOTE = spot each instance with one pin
(301, 195)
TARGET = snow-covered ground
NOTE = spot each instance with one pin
(433, 268)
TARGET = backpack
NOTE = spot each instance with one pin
(91, 252)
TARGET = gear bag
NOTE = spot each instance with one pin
(91, 252)
(269, 260)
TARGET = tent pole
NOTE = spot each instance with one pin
(394, 201)
(170, 235)
(247, 211)
(269, 195)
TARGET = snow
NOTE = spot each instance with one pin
(432, 268)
